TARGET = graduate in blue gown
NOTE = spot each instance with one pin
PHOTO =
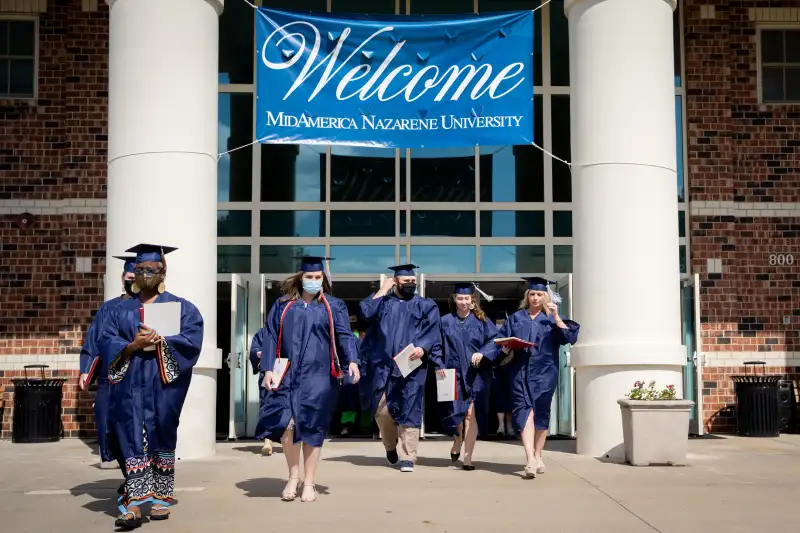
(255, 363)
(150, 376)
(309, 328)
(465, 331)
(92, 369)
(533, 371)
(400, 317)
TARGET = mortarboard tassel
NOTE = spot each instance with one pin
(488, 297)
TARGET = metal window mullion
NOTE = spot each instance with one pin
(547, 141)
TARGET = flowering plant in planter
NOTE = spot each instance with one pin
(639, 392)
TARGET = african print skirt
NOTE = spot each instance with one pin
(149, 478)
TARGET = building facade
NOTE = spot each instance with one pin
(490, 214)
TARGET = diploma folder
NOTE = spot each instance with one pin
(279, 369)
(513, 343)
(447, 386)
(405, 365)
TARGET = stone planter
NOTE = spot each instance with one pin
(655, 432)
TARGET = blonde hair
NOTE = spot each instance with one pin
(526, 303)
(476, 308)
(292, 287)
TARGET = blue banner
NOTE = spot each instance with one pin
(394, 81)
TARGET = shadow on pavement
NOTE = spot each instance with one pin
(104, 493)
(270, 487)
(256, 449)
(431, 462)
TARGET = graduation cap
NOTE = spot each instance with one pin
(543, 284)
(470, 286)
(150, 253)
(310, 263)
(404, 270)
(130, 262)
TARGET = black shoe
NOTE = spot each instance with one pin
(121, 489)
(127, 524)
(468, 468)
(392, 457)
(454, 457)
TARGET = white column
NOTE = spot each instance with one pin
(162, 168)
(626, 213)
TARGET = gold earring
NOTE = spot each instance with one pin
(135, 289)
(161, 288)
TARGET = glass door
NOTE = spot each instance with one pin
(237, 357)
(562, 418)
(692, 381)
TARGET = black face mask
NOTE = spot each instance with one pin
(128, 287)
(407, 290)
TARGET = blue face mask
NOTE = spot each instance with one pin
(312, 286)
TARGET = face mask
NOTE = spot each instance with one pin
(408, 289)
(147, 281)
(312, 286)
(128, 287)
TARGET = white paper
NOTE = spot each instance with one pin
(446, 386)
(164, 318)
(279, 369)
(405, 365)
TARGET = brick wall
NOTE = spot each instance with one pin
(53, 151)
(744, 185)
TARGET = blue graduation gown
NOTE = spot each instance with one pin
(92, 364)
(460, 341)
(149, 388)
(533, 372)
(398, 323)
(308, 391)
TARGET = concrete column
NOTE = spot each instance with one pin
(162, 168)
(627, 272)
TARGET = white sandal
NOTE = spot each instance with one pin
(290, 495)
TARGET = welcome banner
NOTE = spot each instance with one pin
(394, 81)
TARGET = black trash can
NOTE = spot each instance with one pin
(37, 408)
(757, 403)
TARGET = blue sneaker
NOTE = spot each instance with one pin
(406, 466)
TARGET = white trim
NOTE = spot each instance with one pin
(774, 14)
(80, 206)
(56, 361)
(728, 359)
(24, 6)
(745, 209)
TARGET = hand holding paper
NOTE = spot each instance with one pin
(404, 361)
(446, 385)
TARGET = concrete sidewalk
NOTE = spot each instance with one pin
(732, 485)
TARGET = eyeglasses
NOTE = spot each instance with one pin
(147, 271)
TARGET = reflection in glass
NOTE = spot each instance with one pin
(383, 7)
(679, 147)
(297, 5)
(234, 223)
(444, 259)
(362, 259)
(512, 223)
(562, 258)
(428, 7)
(443, 223)
(292, 173)
(676, 42)
(562, 223)
(362, 223)
(681, 223)
(233, 259)
(362, 174)
(514, 173)
(443, 175)
(562, 178)
(236, 43)
(682, 252)
(403, 224)
(235, 129)
(282, 259)
(292, 223)
(559, 45)
(523, 259)
(494, 6)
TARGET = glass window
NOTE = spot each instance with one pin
(236, 43)
(362, 223)
(514, 173)
(362, 174)
(681, 223)
(235, 129)
(403, 224)
(427, 7)
(682, 252)
(384, 7)
(562, 258)
(494, 6)
(512, 223)
(234, 223)
(443, 175)
(676, 42)
(443, 223)
(523, 259)
(17, 58)
(562, 223)
(362, 259)
(297, 5)
(780, 65)
(233, 259)
(292, 223)
(679, 147)
(292, 173)
(444, 259)
(562, 178)
(282, 259)
(559, 45)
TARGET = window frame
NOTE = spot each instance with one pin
(25, 17)
(760, 64)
